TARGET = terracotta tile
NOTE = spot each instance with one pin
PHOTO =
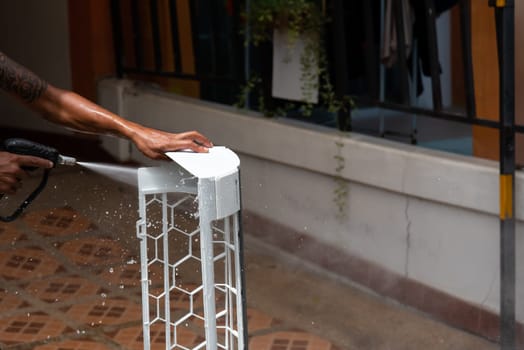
(289, 341)
(461, 314)
(9, 300)
(57, 221)
(412, 294)
(124, 276)
(520, 335)
(132, 338)
(95, 252)
(489, 325)
(30, 328)
(258, 320)
(61, 289)
(10, 236)
(384, 282)
(26, 263)
(105, 311)
(74, 344)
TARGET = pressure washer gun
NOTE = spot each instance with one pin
(30, 148)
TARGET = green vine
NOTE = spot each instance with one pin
(299, 19)
(341, 190)
(305, 20)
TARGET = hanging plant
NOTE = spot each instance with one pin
(301, 23)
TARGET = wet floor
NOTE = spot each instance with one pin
(70, 279)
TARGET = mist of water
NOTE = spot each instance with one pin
(120, 173)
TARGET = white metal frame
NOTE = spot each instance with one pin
(193, 202)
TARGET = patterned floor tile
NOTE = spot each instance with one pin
(289, 341)
(27, 263)
(10, 300)
(95, 251)
(10, 235)
(76, 344)
(30, 328)
(105, 311)
(258, 320)
(133, 339)
(124, 276)
(61, 289)
(57, 221)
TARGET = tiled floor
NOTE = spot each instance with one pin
(70, 280)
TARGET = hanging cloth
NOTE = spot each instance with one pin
(390, 45)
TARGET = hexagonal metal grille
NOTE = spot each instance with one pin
(191, 274)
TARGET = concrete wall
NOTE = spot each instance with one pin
(35, 33)
(424, 215)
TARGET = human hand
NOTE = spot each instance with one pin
(155, 143)
(12, 170)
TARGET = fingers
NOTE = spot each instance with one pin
(12, 170)
(9, 184)
(197, 138)
(36, 162)
(193, 145)
(154, 143)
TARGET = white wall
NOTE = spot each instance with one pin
(35, 33)
(422, 214)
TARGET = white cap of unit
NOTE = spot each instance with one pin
(218, 162)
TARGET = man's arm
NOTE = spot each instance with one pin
(72, 110)
(19, 81)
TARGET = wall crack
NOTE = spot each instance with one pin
(408, 236)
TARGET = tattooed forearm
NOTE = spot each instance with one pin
(20, 81)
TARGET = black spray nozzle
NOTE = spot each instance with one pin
(30, 148)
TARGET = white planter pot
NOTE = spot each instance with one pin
(290, 81)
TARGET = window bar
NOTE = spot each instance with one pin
(137, 36)
(117, 37)
(175, 35)
(382, 74)
(214, 41)
(469, 86)
(371, 57)
(429, 7)
(155, 30)
(340, 61)
(247, 55)
(193, 10)
(401, 48)
(237, 60)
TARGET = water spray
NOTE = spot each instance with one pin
(30, 148)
